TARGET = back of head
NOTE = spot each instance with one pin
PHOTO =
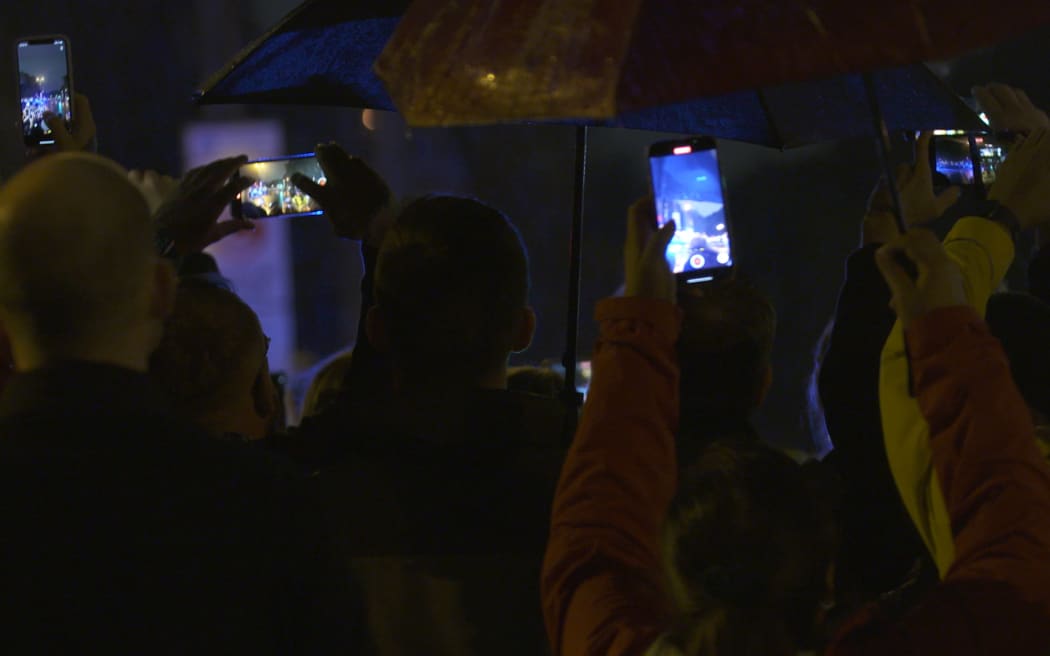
(76, 253)
(451, 276)
(724, 349)
(328, 384)
(747, 545)
(536, 380)
(212, 351)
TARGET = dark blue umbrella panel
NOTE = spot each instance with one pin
(320, 54)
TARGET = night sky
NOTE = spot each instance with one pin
(48, 60)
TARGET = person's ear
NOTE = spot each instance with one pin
(763, 390)
(263, 397)
(375, 330)
(165, 284)
(524, 330)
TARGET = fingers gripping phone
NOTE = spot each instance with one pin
(273, 193)
(688, 189)
(45, 85)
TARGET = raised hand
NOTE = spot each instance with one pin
(354, 197)
(190, 213)
(647, 273)
(918, 201)
(939, 283)
(1022, 183)
(1009, 109)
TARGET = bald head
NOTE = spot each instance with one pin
(76, 255)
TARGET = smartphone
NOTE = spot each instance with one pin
(688, 189)
(272, 193)
(965, 158)
(45, 84)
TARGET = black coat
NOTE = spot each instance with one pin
(443, 511)
(123, 530)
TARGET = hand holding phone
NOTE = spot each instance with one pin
(45, 86)
(354, 197)
(188, 219)
(688, 190)
(646, 270)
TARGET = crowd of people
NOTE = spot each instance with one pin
(433, 500)
(36, 106)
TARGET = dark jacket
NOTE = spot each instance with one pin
(879, 544)
(126, 531)
(442, 509)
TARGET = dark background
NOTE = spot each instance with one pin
(796, 214)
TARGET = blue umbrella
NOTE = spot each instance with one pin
(319, 54)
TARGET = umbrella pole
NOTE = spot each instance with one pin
(573, 399)
(882, 145)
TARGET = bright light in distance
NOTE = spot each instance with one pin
(682, 150)
(687, 206)
(984, 117)
(720, 226)
(676, 216)
(722, 258)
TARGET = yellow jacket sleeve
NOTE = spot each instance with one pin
(984, 251)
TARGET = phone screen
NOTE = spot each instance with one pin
(991, 156)
(44, 86)
(687, 189)
(953, 157)
(273, 193)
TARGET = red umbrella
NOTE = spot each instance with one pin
(488, 61)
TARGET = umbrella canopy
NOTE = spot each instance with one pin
(485, 61)
(322, 54)
(803, 113)
(319, 54)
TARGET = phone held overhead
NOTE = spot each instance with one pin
(45, 85)
(688, 189)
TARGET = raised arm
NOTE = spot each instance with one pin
(601, 584)
(879, 542)
(357, 202)
(983, 248)
(996, 486)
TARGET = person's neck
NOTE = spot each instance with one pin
(241, 423)
(412, 385)
(138, 362)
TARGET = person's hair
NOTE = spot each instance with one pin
(747, 544)
(74, 269)
(328, 384)
(724, 349)
(211, 346)
(451, 278)
(536, 380)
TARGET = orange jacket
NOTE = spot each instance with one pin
(602, 582)
(602, 585)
